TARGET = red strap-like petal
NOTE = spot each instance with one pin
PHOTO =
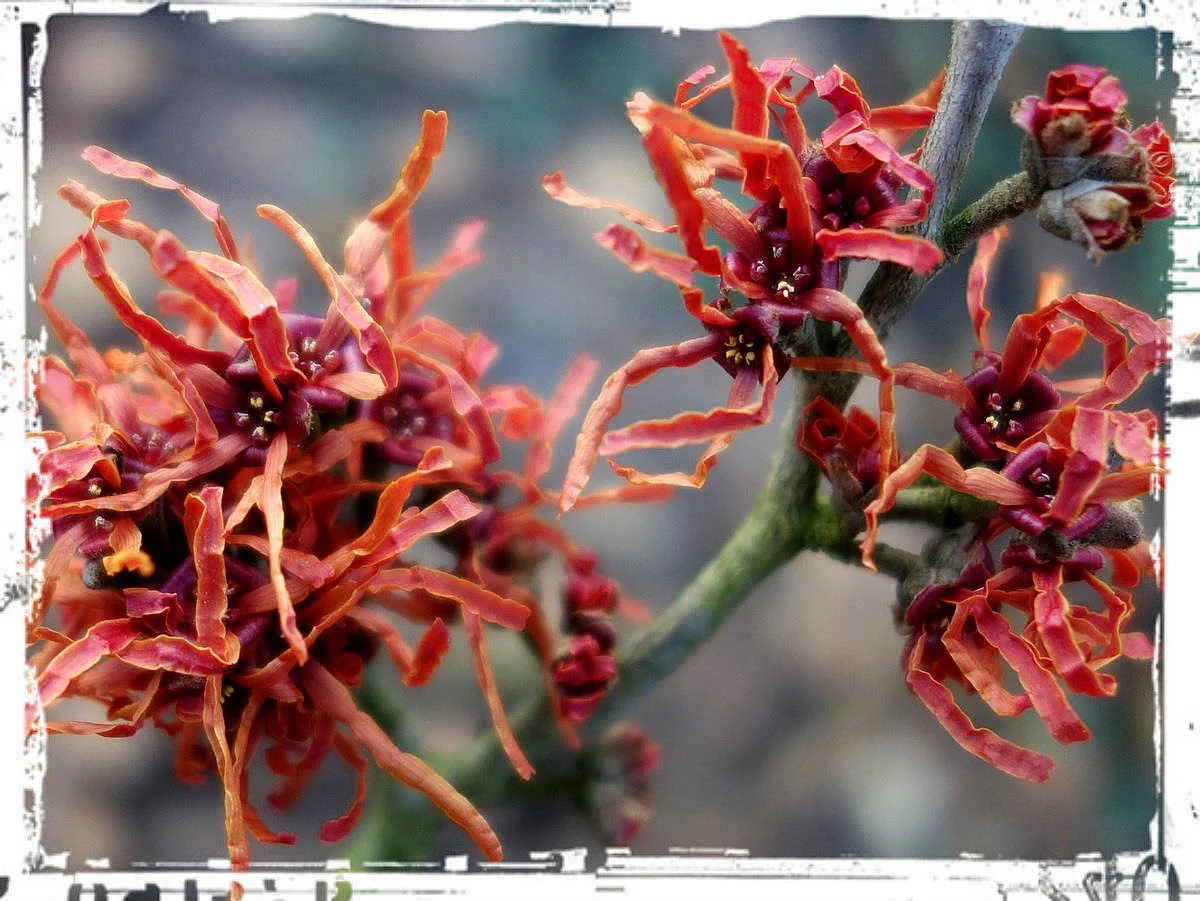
(155, 483)
(561, 409)
(640, 257)
(271, 504)
(983, 743)
(685, 86)
(241, 301)
(369, 240)
(839, 89)
(338, 828)
(664, 154)
(749, 111)
(1055, 632)
(977, 279)
(329, 695)
(554, 185)
(929, 459)
(474, 598)
(911, 173)
(883, 245)
(487, 684)
(608, 404)
(739, 398)
(229, 770)
(79, 347)
(1086, 464)
(203, 524)
(111, 164)
(407, 291)
(431, 648)
(692, 427)
(1043, 689)
(152, 332)
(345, 310)
(101, 640)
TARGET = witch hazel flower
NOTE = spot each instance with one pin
(233, 507)
(1011, 395)
(1101, 178)
(1023, 426)
(1061, 470)
(845, 446)
(962, 632)
(817, 203)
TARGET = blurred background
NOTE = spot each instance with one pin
(791, 732)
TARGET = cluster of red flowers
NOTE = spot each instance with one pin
(1101, 179)
(818, 203)
(232, 506)
(1063, 476)
(238, 510)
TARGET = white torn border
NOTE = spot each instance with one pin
(1174, 833)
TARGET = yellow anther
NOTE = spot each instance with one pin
(750, 356)
(94, 490)
(129, 561)
(256, 401)
(1018, 405)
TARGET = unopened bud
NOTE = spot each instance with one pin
(1121, 528)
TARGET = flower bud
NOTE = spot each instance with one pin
(621, 796)
(1121, 528)
(1100, 179)
(1092, 215)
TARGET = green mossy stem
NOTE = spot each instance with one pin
(1005, 200)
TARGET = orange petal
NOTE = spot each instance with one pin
(981, 266)
(111, 164)
(983, 743)
(330, 696)
(487, 684)
(608, 404)
(229, 770)
(642, 257)
(430, 650)
(556, 187)
(474, 598)
(561, 409)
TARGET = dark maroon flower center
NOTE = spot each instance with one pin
(742, 348)
(848, 200)
(308, 358)
(259, 416)
(1003, 418)
(778, 268)
(412, 411)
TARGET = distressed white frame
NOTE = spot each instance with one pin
(1170, 867)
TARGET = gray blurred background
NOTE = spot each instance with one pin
(791, 732)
